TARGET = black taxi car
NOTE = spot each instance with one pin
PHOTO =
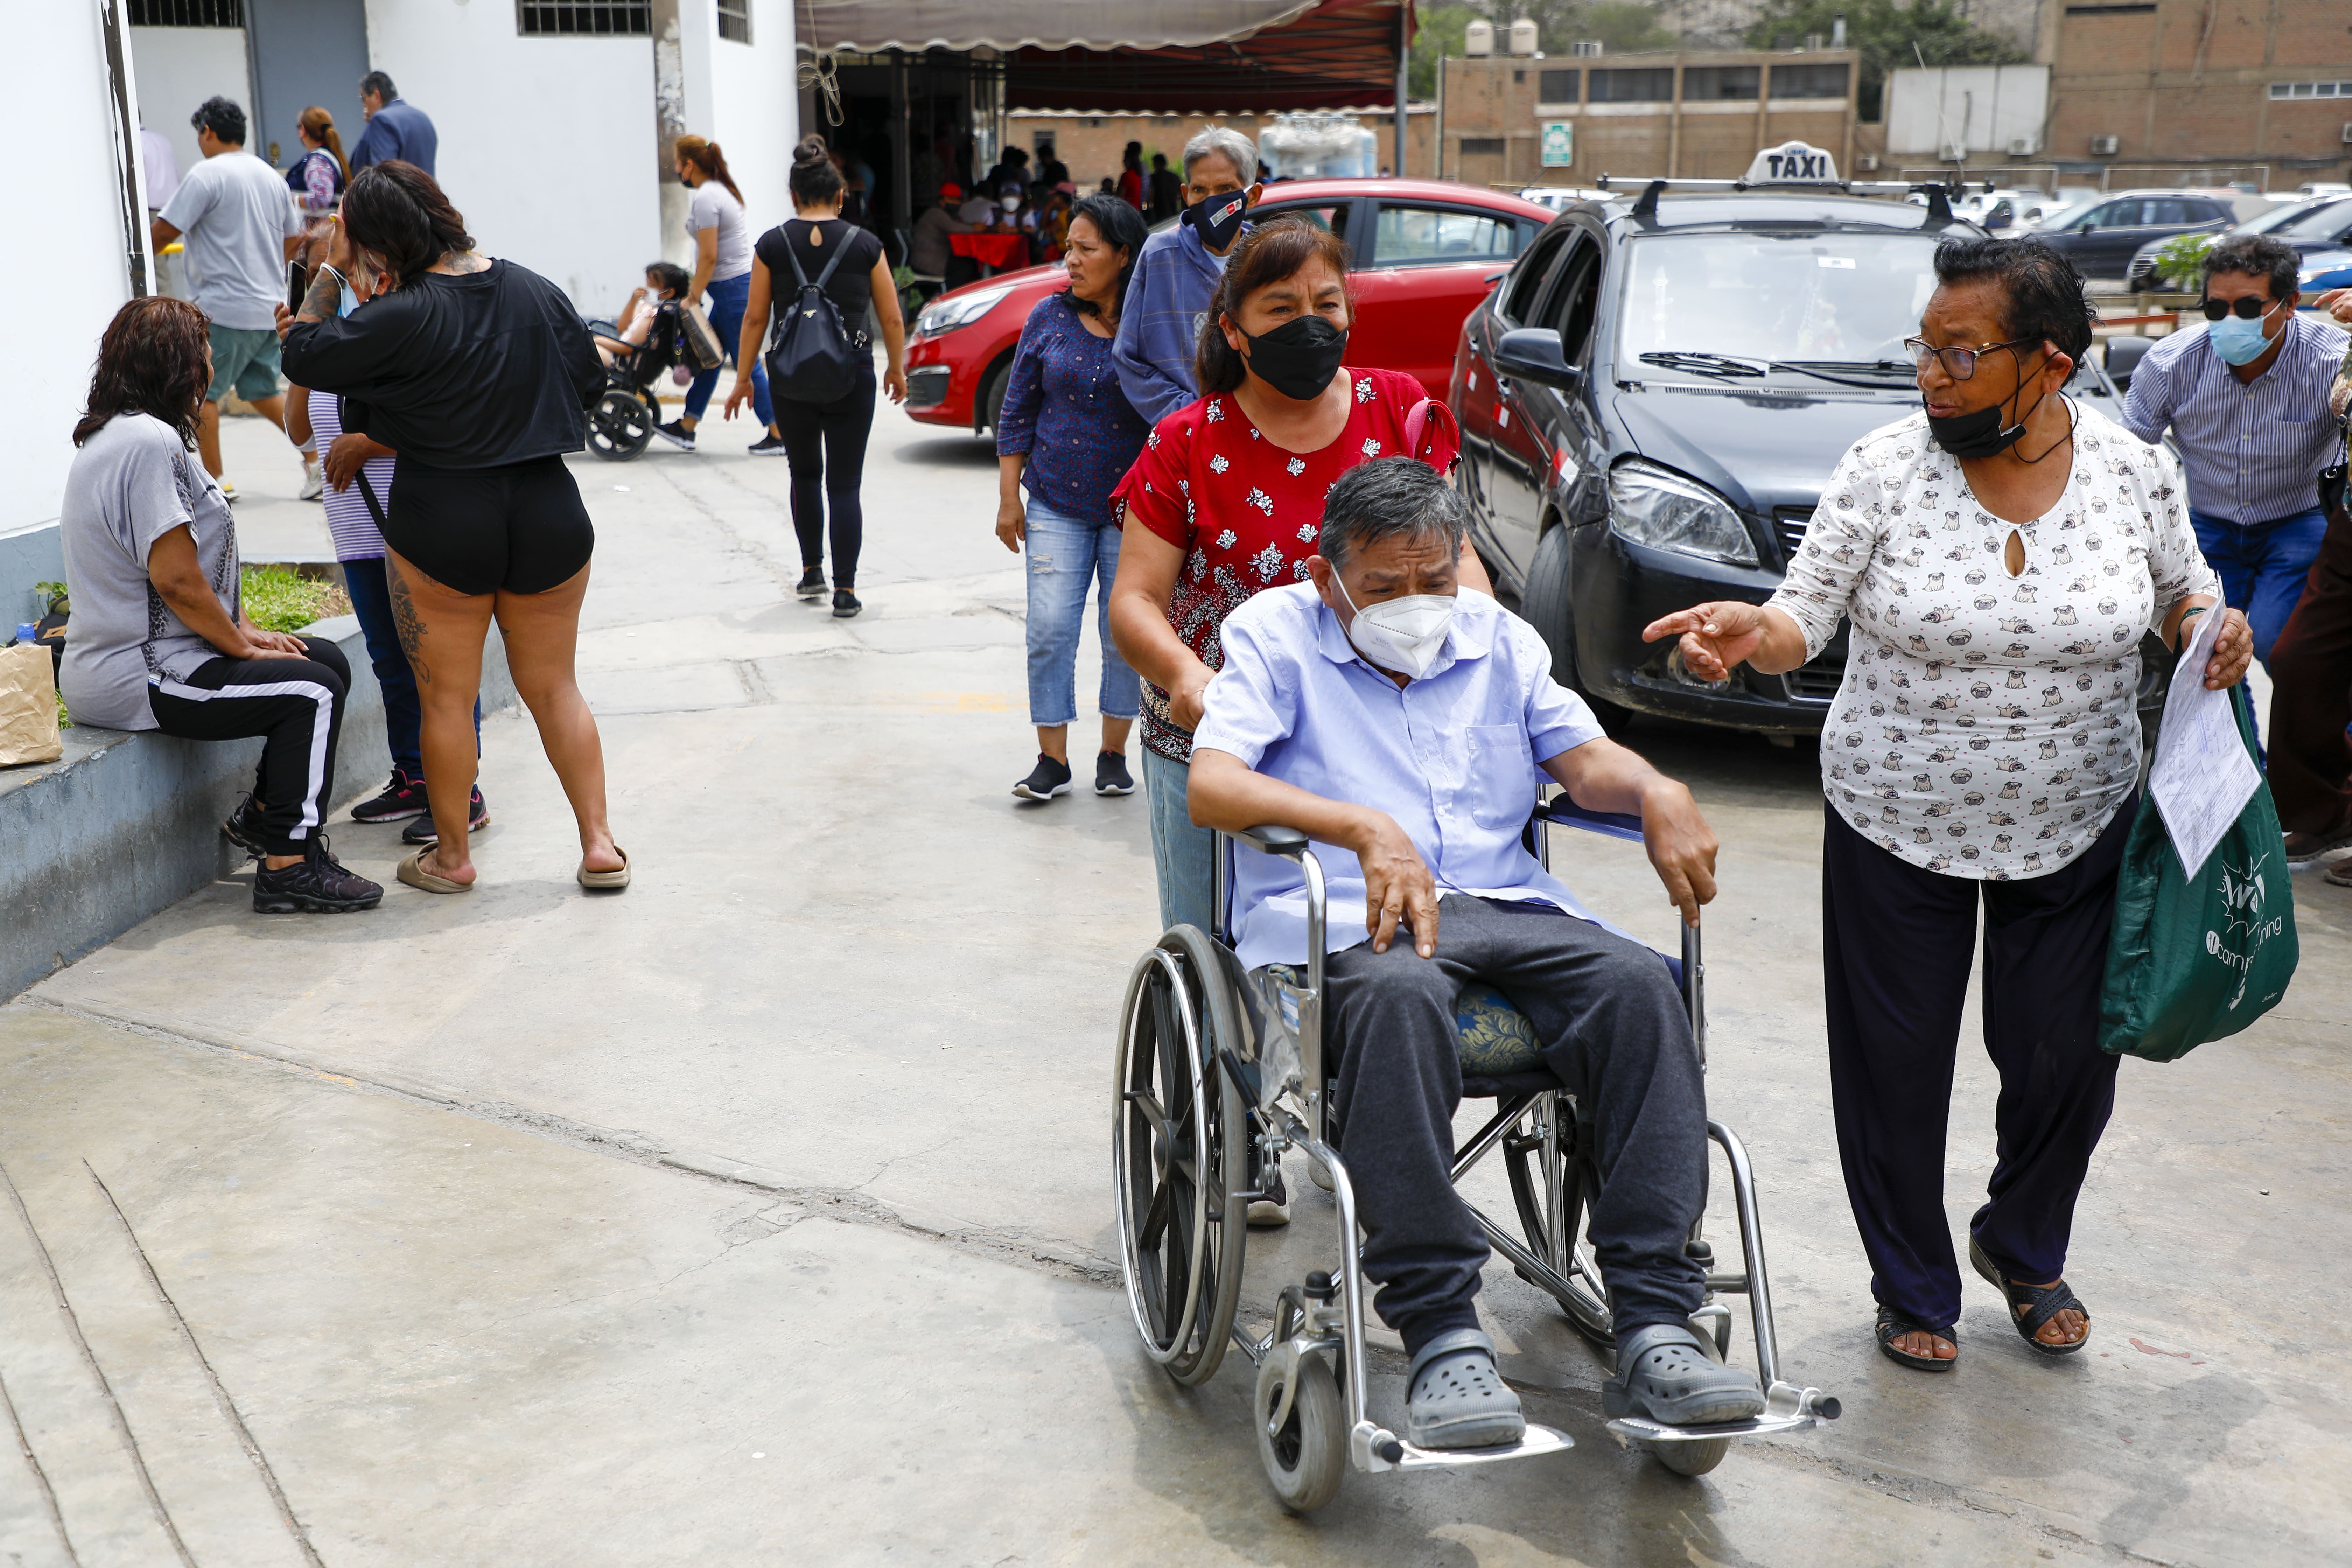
(1652, 399)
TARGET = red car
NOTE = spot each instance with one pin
(1426, 253)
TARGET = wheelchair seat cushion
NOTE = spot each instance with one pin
(1497, 1041)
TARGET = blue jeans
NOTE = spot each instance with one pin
(2263, 566)
(1181, 853)
(728, 297)
(372, 603)
(1064, 554)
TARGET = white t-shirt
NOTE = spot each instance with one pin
(1986, 726)
(130, 484)
(234, 213)
(715, 207)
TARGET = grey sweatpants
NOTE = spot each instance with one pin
(1613, 1030)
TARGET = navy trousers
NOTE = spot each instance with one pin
(1896, 941)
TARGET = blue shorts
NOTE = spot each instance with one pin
(246, 358)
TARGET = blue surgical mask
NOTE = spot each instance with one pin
(350, 302)
(2237, 339)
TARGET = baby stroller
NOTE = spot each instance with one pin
(621, 423)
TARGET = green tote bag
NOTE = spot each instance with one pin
(2198, 958)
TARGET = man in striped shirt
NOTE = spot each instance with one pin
(2247, 401)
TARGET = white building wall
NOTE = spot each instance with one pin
(1981, 108)
(178, 68)
(73, 185)
(546, 144)
(754, 106)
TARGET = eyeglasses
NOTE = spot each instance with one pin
(1961, 364)
(2247, 308)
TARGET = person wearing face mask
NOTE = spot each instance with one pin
(2246, 402)
(2000, 555)
(1403, 719)
(1178, 272)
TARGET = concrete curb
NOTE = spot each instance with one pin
(126, 822)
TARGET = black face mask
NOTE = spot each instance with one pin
(1298, 358)
(1982, 434)
(1218, 218)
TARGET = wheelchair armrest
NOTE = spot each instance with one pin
(1273, 840)
(1568, 813)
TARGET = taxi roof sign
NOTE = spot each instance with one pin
(1792, 163)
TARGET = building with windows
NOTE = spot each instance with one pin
(1531, 120)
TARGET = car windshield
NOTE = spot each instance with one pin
(1841, 298)
(2321, 220)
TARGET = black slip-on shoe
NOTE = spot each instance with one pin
(403, 797)
(1111, 776)
(316, 884)
(422, 831)
(812, 584)
(677, 434)
(768, 447)
(243, 829)
(1047, 780)
(844, 604)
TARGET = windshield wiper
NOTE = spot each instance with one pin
(1856, 366)
(1727, 367)
(1705, 363)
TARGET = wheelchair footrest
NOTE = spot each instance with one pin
(1537, 1440)
(1636, 1428)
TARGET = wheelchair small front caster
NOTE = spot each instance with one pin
(1691, 1458)
(1306, 1453)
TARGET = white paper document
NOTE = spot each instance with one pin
(2202, 776)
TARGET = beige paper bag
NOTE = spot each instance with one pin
(28, 707)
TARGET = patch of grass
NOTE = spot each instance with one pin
(280, 599)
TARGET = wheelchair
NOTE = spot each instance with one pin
(1220, 1071)
(620, 422)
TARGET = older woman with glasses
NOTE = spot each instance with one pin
(2000, 554)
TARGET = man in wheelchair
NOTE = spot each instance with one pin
(1400, 718)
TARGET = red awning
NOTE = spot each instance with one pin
(1342, 54)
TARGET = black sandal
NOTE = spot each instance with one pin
(2032, 1306)
(1893, 1325)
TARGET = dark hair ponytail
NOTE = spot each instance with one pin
(395, 210)
(814, 181)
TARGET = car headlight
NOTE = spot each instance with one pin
(945, 315)
(1666, 511)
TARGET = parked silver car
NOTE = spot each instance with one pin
(2313, 224)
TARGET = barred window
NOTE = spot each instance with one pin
(1556, 87)
(187, 13)
(2311, 89)
(1809, 81)
(589, 18)
(735, 20)
(1705, 84)
(1652, 84)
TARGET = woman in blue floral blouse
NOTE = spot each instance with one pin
(1067, 435)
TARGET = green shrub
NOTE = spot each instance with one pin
(280, 599)
(2181, 260)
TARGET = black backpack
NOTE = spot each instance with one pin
(810, 358)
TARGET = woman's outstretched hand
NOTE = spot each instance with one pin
(737, 396)
(1715, 637)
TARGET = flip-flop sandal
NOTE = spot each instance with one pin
(607, 881)
(1457, 1399)
(2032, 1306)
(413, 872)
(1893, 1325)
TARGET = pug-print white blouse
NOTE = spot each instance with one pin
(1986, 725)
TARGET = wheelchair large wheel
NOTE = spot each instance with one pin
(619, 427)
(1306, 1455)
(1180, 1151)
(1586, 1298)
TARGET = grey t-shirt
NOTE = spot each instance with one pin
(234, 213)
(715, 207)
(130, 484)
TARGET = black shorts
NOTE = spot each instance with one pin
(516, 529)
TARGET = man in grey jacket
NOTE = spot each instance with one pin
(1177, 274)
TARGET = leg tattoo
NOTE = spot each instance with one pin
(408, 623)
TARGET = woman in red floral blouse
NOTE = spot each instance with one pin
(1229, 496)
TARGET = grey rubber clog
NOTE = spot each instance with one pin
(1668, 1373)
(1457, 1399)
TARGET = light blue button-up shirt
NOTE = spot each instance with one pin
(1452, 757)
(2252, 451)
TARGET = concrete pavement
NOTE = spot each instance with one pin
(514, 1224)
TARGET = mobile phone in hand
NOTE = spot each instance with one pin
(298, 283)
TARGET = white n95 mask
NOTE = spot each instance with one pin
(1403, 635)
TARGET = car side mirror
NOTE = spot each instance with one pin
(1533, 353)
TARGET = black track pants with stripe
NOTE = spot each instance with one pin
(295, 704)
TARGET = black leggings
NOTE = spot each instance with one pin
(295, 704)
(826, 444)
(519, 528)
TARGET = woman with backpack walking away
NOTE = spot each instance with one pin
(820, 365)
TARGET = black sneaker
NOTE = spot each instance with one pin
(768, 447)
(403, 797)
(243, 829)
(844, 604)
(1111, 776)
(676, 434)
(1047, 780)
(422, 830)
(812, 584)
(316, 884)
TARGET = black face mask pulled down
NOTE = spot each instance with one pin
(1298, 358)
(1981, 434)
(1219, 218)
